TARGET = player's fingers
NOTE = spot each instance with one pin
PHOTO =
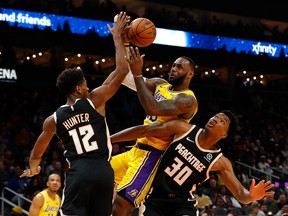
(128, 18)
(270, 192)
(253, 183)
(137, 52)
(128, 53)
(266, 183)
(268, 187)
(122, 19)
(115, 18)
(118, 17)
(25, 173)
(122, 15)
(109, 27)
(128, 59)
(38, 169)
(22, 175)
(262, 182)
(132, 51)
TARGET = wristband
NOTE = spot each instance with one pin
(138, 76)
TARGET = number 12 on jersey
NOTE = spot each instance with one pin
(87, 132)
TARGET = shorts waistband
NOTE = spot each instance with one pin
(146, 147)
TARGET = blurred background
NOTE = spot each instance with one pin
(253, 85)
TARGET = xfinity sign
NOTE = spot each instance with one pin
(258, 48)
(168, 37)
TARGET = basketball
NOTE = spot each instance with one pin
(142, 32)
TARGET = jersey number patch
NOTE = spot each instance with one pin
(178, 172)
(152, 118)
(86, 133)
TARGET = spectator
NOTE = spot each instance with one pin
(33, 187)
(284, 151)
(222, 199)
(16, 183)
(271, 204)
(283, 211)
(282, 200)
(55, 166)
(255, 208)
(204, 201)
(16, 211)
(281, 189)
(264, 166)
(4, 175)
(242, 174)
(263, 208)
(285, 165)
(212, 189)
(9, 158)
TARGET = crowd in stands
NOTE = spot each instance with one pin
(261, 141)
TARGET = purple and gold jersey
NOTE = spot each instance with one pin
(50, 206)
(163, 92)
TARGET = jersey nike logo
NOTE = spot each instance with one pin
(187, 138)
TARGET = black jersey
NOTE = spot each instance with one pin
(184, 165)
(83, 131)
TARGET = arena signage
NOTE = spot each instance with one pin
(27, 19)
(211, 42)
(169, 37)
(8, 75)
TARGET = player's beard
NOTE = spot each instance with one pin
(177, 81)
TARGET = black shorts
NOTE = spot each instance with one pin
(88, 189)
(159, 206)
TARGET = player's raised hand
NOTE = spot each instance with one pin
(260, 190)
(121, 21)
(30, 172)
(135, 60)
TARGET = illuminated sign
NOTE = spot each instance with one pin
(211, 42)
(26, 19)
(9, 75)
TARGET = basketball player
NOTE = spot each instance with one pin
(186, 163)
(81, 126)
(162, 101)
(47, 202)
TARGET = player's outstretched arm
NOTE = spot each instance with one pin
(48, 131)
(167, 129)
(149, 82)
(182, 104)
(109, 87)
(261, 189)
(256, 192)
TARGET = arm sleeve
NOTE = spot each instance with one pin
(129, 81)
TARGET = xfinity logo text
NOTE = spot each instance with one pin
(258, 48)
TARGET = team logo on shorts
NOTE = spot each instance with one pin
(133, 193)
(208, 157)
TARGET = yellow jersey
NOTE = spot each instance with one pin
(163, 92)
(50, 206)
